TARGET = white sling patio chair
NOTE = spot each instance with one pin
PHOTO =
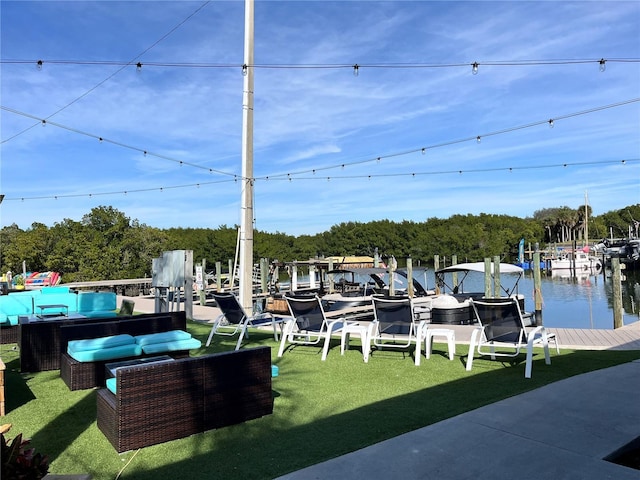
(502, 328)
(234, 319)
(308, 324)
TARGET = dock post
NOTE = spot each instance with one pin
(616, 288)
(294, 277)
(487, 277)
(496, 277)
(436, 267)
(537, 292)
(264, 274)
(312, 276)
(203, 286)
(410, 278)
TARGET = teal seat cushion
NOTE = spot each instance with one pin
(70, 300)
(90, 344)
(49, 290)
(122, 351)
(111, 385)
(174, 346)
(162, 337)
(99, 314)
(96, 302)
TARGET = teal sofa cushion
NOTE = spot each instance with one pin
(90, 344)
(68, 299)
(96, 302)
(111, 384)
(122, 351)
(14, 305)
(49, 290)
(174, 346)
(98, 314)
(162, 337)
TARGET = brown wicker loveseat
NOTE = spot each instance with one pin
(83, 375)
(159, 402)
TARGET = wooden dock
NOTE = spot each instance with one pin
(625, 338)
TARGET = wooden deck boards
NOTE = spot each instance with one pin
(626, 338)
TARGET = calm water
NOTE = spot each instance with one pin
(583, 302)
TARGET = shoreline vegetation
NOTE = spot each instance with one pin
(106, 244)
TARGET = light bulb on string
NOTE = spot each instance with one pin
(39, 65)
(474, 68)
(424, 150)
(43, 123)
(478, 139)
(100, 139)
(551, 123)
(603, 64)
(245, 69)
(139, 67)
(356, 69)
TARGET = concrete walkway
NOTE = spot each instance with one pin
(560, 431)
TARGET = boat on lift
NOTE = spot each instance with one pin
(578, 261)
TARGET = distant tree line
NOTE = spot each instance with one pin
(106, 244)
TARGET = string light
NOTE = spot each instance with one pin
(138, 67)
(478, 139)
(103, 139)
(424, 150)
(348, 177)
(378, 159)
(245, 70)
(551, 123)
(474, 68)
(603, 64)
(39, 64)
(356, 69)
(474, 65)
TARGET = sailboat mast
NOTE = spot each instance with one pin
(246, 220)
(586, 220)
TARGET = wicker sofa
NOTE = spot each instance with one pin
(48, 302)
(40, 344)
(82, 375)
(158, 402)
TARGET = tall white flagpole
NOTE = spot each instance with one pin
(246, 221)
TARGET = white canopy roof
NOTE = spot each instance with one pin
(479, 267)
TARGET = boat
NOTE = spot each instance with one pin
(451, 303)
(626, 249)
(577, 260)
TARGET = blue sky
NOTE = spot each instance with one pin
(185, 105)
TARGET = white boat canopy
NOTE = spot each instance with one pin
(466, 268)
(479, 267)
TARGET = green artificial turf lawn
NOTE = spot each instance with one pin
(321, 409)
